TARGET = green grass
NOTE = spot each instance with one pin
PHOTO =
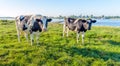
(101, 48)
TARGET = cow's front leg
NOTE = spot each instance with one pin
(18, 34)
(37, 37)
(31, 38)
(26, 35)
(18, 31)
(78, 35)
(67, 31)
(63, 30)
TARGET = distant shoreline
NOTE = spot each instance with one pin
(7, 18)
(13, 18)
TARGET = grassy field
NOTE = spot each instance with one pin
(101, 48)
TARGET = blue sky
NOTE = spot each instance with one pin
(60, 7)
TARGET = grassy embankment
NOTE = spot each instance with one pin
(101, 48)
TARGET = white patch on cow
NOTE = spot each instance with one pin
(76, 20)
(31, 21)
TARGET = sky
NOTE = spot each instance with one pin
(60, 7)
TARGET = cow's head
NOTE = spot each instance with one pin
(45, 21)
(90, 21)
(42, 20)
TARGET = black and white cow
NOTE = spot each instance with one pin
(77, 25)
(22, 26)
(31, 24)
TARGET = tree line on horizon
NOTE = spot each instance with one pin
(74, 16)
(88, 16)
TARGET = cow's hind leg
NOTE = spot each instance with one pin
(78, 35)
(18, 34)
(83, 34)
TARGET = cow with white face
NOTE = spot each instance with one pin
(37, 23)
(31, 24)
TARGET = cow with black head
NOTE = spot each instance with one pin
(77, 25)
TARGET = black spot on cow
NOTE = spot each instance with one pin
(24, 27)
(83, 21)
(36, 27)
(21, 18)
(82, 29)
(71, 20)
(38, 20)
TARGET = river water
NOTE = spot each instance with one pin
(100, 22)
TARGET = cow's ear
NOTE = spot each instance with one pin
(21, 18)
(93, 21)
(49, 20)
